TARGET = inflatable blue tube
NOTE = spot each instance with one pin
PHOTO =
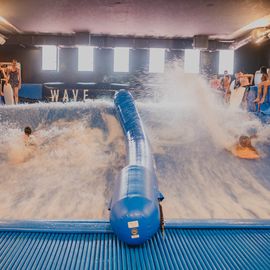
(135, 212)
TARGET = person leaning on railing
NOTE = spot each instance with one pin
(263, 86)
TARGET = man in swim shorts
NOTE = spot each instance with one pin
(244, 149)
(225, 85)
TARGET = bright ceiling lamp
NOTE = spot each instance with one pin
(2, 40)
(262, 22)
(7, 26)
(260, 39)
(260, 34)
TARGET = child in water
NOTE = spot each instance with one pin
(29, 139)
(244, 149)
(24, 149)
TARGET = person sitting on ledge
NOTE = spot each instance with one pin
(265, 83)
(244, 149)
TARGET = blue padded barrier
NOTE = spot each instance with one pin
(135, 214)
(252, 107)
(31, 91)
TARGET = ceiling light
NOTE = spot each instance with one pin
(260, 39)
(240, 43)
(258, 33)
(2, 40)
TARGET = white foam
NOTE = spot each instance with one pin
(71, 174)
(189, 129)
(66, 177)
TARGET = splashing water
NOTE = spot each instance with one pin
(190, 130)
(70, 174)
(81, 150)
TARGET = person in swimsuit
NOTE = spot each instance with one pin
(244, 149)
(14, 78)
(215, 82)
(245, 79)
(29, 139)
(225, 85)
(265, 83)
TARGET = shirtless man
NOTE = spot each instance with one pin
(242, 80)
(215, 82)
(265, 83)
(225, 85)
(244, 149)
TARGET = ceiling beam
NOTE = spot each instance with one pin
(108, 41)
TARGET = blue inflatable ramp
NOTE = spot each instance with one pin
(135, 210)
(93, 245)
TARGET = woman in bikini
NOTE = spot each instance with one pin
(14, 78)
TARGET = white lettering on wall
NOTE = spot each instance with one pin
(65, 96)
(54, 95)
(85, 94)
(75, 94)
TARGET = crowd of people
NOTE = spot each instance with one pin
(238, 87)
(10, 76)
(226, 85)
(10, 82)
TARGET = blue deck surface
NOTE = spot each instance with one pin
(263, 111)
(31, 91)
(93, 245)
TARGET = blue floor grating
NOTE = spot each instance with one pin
(92, 245)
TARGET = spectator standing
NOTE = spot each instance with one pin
(14, 78)
(225, 85)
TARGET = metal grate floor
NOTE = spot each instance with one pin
(182, 247)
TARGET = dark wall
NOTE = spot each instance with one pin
(29, 58)
(247, 59)
(31, 61)
(251, 57)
